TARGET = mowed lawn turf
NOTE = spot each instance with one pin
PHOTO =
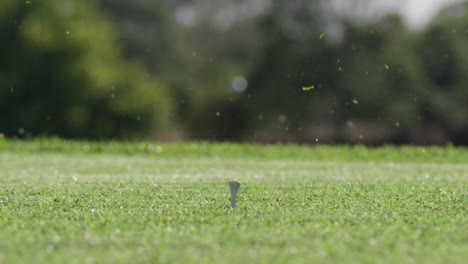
(85, 202)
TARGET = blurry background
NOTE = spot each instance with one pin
(306, 71)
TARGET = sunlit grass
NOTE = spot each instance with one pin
(425, 154)
(79, 202)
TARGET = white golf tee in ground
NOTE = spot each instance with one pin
(234, 187)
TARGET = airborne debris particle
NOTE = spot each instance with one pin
(159, 149)
(308, 88)
(355, 101)
(386, 66)
(321, 36)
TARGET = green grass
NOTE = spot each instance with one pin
(88, 202)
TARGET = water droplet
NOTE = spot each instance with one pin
(239, 84)
(397, 124)
(159, 149)
(218, 113)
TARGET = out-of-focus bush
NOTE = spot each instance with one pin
(61, 73)
(443, 50)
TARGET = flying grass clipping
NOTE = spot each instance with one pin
(308, 88)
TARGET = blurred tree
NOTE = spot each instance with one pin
(443, 50)
(148, 33)
(295, 55)
(381, 78)
(220, 45)
(61, 74)
(366, 74)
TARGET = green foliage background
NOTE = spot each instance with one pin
(62, 74)
(128, 69)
